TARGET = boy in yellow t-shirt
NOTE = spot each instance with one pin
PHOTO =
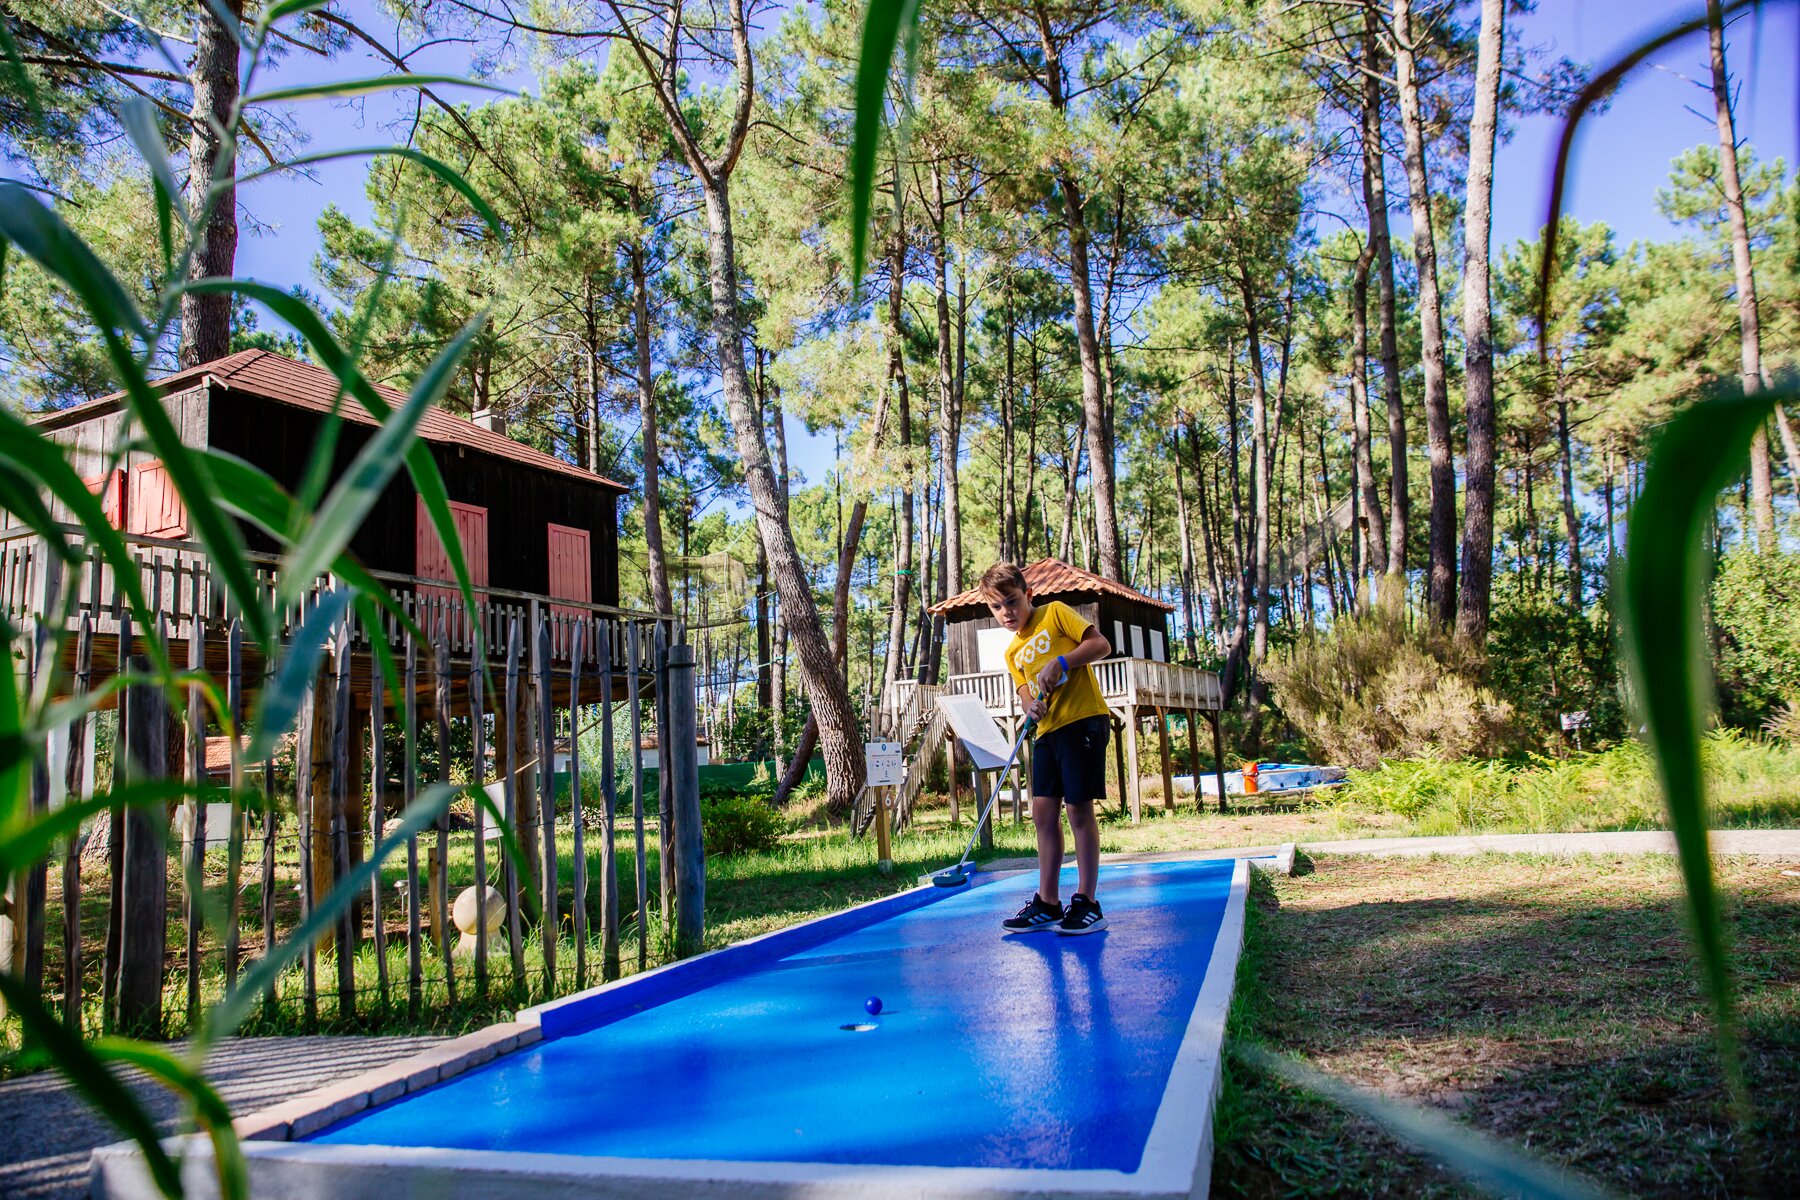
(1048, 658)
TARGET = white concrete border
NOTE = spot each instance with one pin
(1177, 1161)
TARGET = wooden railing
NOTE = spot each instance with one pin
(1131, 682)
(179, 585)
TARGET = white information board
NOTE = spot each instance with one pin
(885, 767)
(988, 748)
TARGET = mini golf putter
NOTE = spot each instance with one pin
(958, 875)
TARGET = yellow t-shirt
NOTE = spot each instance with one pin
(1055, 629)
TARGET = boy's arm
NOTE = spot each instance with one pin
(1092, 647)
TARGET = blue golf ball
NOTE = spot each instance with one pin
(873, 1006)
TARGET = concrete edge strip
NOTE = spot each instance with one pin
(1176, 1161)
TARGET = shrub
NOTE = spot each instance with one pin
(1545, 659)
(1784, 723)
(739, 822)
(1756, 606)
(1371, 688)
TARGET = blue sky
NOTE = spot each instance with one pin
(1622, 159)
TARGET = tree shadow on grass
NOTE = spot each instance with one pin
(1561, 1014)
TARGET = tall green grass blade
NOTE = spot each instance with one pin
(441, 169)
(361, 486)
(15, 751)
(19, 496)
(248, 492)
(1662, 589)
(26, 842)
(139, 119)
(427, 482)
(342, 89)
(883, 26)
(209, 1110)
(1492, 1165)
(82, 1067)
(41, 234)
(280, 701)
(37, 458)
(225, 1016)
(290, 8)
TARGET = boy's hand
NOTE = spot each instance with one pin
(1050, 676)
(1035, 708)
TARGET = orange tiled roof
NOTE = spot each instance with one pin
(306, 385)
(1054, 577)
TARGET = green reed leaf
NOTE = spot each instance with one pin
(15, 753)
(77, 1062)
(139, 118)
(1489, 1163)
(1661, 596)
(427, 481)
(247, 491)
(225, 1016)
(361, 486)
(343, 88)
(31, 226)
(441, 169)
(209, 1110)
(883, 26)
(289, 8)
(41, 832)
(280, 701)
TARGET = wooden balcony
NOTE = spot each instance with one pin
(1128, 685)
(185, 597)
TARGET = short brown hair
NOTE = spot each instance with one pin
(1000, 578)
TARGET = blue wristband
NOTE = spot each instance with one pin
(1064, 663)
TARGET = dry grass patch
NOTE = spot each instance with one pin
(1549, 1001)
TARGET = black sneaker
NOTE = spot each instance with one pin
(1084, 916)
(1034, 916)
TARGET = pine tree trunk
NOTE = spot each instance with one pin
(660, 598)
(1478, 357)
(1371, 557)
(1188, 603)
(1381, 245)
(1259, 470)
(949, 414)
(1762, 492)
(1441, 574)
(1571, 523)
(903, 549)
(213, 71)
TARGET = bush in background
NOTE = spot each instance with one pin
(739, 822)
(1545, 659)
(1756, 609)
(1372, 688)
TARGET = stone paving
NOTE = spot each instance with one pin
(47, 1131)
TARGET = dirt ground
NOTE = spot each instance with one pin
(1550, 1002)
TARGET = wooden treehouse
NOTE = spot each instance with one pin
(540, 538)
(1137, 681)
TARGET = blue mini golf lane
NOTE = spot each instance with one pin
(1033, 1051)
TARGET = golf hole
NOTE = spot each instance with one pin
(858, 1027)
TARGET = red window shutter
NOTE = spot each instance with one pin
(110, 487)
(153, 507)
(571, 568)
(433, 561)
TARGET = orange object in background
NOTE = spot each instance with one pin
(1250, 778)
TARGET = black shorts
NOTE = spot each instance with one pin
(1069, 763)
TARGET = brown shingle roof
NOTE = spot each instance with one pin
(306, 385)
(1054, 577)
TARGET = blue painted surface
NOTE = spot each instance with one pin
(1035, 1051)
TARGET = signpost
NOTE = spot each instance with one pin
(1575, 722)
(885, 771)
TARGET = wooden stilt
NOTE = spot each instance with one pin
(1168, 775)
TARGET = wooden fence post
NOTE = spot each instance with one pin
(234, 845)
(681, 764)
(341, 714)
(1162, 743)
(195, 882)
(144, 925)
(510, 792)
(546, 781)
(75, 789)
(440, 897)
(409, 783)
(271, 824)
(478, 772)
(578, 905)
(633, 650)
(665, 808)
(377, 815)
(1218, 760)
(609, 867)
(115, 853)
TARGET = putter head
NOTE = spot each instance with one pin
(957, 876)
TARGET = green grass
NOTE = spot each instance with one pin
(1550, 1002)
